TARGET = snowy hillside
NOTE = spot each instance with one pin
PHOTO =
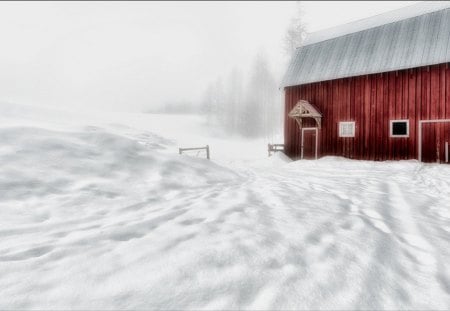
(100, 212)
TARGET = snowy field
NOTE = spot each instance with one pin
(100, 212)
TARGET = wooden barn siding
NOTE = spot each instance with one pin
(372, 101)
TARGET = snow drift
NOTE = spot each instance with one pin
(108, 217)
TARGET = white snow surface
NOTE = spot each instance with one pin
(100, 212)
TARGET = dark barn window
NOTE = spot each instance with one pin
(399, 128)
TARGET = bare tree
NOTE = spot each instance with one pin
(296, 31)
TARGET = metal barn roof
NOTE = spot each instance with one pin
(406, 38)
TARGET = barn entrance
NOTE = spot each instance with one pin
(309, 134)
(309, 143)
(434, 141)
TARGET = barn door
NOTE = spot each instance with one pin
(309, 143)
(434, 140)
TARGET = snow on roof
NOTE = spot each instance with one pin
(410, 37)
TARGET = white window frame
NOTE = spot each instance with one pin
(345, 123)
(391, 128)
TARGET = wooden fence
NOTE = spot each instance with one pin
(181, 150)
(272, 148)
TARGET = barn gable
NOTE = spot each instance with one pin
(398, 44)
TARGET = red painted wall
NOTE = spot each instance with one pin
(372, 101)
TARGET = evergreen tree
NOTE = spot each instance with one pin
(233, 101)
(295, 32)
(260, 102)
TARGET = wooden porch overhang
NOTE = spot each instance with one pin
(304, 109)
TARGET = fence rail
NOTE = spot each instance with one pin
(181, 150)
(272, 148)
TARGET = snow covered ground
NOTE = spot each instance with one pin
(100, 212)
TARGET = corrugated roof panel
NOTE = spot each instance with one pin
(398, 51)
(390, 43)
(420, 46)
(336, 58)
(431, 38)
(375, 57)
(444, 37)
(349, 57)
(413, 42)
(411, 28)
(312, 58)
(377, 20)
(326, 62)
(357, 60)
(364, 54)
(446, 53)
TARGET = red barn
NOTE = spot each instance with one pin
(375, 89)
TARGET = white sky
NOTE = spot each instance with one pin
(134, 55)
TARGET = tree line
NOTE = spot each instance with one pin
(249, 107)
(249, 103)
(252, 107)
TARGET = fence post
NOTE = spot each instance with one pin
(207, 152)
(179, 150)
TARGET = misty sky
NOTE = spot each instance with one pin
(134, 55)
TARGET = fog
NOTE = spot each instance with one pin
(136, 56)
